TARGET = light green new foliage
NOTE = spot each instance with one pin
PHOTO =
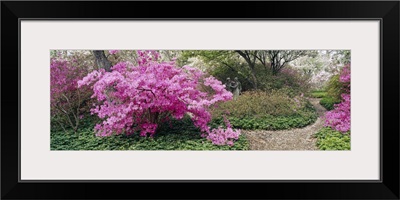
(329, 139)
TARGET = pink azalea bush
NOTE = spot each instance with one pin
(339, 118)
(63, 78)
(66, 99)
(140, 98)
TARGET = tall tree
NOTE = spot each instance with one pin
(101, 60)
(279, 58)
(251, 58)
(219, 58)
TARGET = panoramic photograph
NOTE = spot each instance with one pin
(200, 100)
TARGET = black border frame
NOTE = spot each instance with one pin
(194, 181)
(387, 12)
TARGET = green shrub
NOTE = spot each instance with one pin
(329, 139)
(334, 88)
(179, 135)
(328, 102)
(258, 104)
(267, 111)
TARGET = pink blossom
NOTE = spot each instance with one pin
(139, 98)
(222, 136)
(64, 75)
(340, 117)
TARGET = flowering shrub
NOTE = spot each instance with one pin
(339, 118)
(221, 136)
(67, 102)
(132, 98)
(63, 78)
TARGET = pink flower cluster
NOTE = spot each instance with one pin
(64, 75)
(345, 75)
(133, 98)
(147, 57)
(340, 118)
(221, 136)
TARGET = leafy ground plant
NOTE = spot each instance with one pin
(329, 139)
(179, 135)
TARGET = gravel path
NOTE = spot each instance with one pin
(293, 139)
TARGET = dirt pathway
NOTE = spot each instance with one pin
(293, 139)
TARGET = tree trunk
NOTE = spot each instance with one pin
(274, 67)
(101, 60)
(254, 81)
(253, 75)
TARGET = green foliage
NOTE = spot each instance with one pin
(270, 122)
(334, 88)
(267, 111)
(87, 121)
(319, 94)
(181, 135)
(328, 102)
(223, 72)
(329, 139)
(289, 79)
(259, 104)
(224, 64)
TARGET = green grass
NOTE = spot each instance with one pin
(329, 139)
(182, 136)
(318, 94)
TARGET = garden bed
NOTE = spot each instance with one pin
(182, 135)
